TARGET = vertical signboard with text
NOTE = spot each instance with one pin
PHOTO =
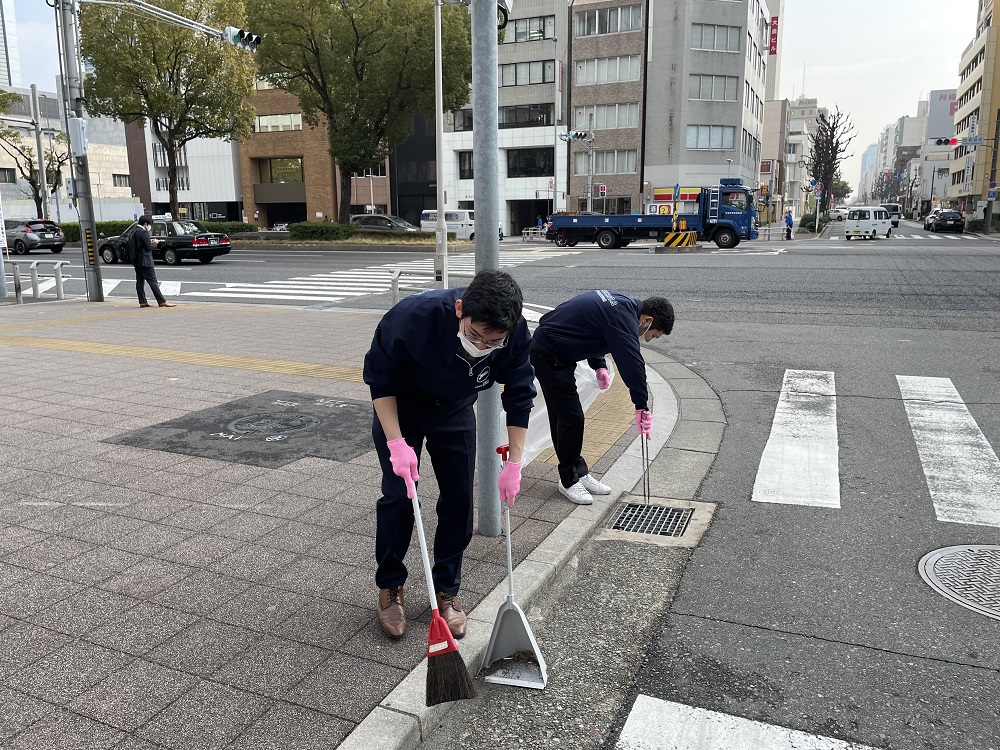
(773, 43)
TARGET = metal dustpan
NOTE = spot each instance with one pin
(513, 658)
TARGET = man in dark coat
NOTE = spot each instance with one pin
(143, 262)
(431, 356)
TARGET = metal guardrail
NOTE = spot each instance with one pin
(533, 233)
(396, 288)
(36, 292)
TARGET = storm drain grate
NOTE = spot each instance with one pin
(658, 520)
(969, 575)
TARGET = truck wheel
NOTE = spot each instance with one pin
(726, 238)
(607, 240)
(572, 244)
(561, 242)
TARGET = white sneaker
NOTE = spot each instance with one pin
(577, 493)
(593, 486)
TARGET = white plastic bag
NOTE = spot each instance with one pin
(539, 436)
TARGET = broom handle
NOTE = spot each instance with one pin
(510, 557)
(423, 550)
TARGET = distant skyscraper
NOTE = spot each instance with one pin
(10, 61)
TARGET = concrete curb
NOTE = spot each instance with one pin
(689, 421)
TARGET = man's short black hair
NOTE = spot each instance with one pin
(662, 312)
(493, 299)
(144, 219)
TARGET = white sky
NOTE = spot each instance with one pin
(873, 58)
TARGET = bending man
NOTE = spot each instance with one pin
(589, 327)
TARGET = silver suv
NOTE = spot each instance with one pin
(25, 235)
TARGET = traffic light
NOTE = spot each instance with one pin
(602, 191)
(946, 141)
(241, 38)
(577, 135)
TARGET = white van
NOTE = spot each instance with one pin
(868, 222)
(461, 222)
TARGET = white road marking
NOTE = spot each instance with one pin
(961, 468)
(170, 288)
(655, 724)
(800, 463)
(109, 285)
(297, 297)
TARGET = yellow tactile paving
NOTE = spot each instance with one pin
(285, 367)
(608, 418)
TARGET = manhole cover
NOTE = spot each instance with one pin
(273, 424)
(659, 520)
(968, 575)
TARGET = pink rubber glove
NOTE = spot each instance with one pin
(404, 464)
(644, 422)
(509, 482)
(603, 379)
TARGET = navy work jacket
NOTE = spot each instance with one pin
(416, 355)
(592, 325)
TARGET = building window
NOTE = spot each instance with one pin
(607, 116)
(607, 205)
(609, 20)
(715, 137)
(708, 36)
(463, 119)
(526, 73)
(121, 180)
(160, 156)
(465, 165)
(713, 88)
(530, 162)
(607, 70)
(530, 29)
(274, 123)
(8, 176)
(281, 170)
(379, 171)
(163, 184)
(525, 116)
(606, 162)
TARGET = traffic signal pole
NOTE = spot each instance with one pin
(69, 15)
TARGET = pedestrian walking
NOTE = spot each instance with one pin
(423, 386)
(541, 221)
(788, 224)
(589, 327)
(142, 259)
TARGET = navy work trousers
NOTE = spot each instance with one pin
(147, 275)
(449, 430)
(562, 402)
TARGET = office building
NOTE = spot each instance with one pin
(10, 60)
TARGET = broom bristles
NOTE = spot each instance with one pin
(448, 679)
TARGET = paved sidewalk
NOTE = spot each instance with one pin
(187, 529)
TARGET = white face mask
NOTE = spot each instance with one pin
(643, 333)
(471, 349)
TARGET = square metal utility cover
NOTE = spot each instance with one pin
(660, 520)
(269, 429)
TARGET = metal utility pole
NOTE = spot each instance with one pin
(36, 116)
(69, 12)
(441, 226)
(988, 216)
(590, 164)
(487, 226)
(555, 123)
(3, 251)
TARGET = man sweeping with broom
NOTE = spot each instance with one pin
(423, 385)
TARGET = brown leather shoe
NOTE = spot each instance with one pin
(144, 304)
(167, 304)
(392, 612)
(451, 611)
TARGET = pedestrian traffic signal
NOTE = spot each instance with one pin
(241, 38)
(602, 190)
(946, 141)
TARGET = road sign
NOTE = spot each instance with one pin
(992, 184)
(819, 187)
(976, 140)
(991, 195)
(812, 182)
(763, 189)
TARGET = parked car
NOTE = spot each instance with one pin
(839, 213)
(25, 235)
(383, 223)
(867, 222)
(894, 210)
(948, 221)
(178, 240)
(461, 222)
(930, 218)
(279, 228)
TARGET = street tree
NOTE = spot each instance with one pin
(21, 150)
(184, 84)
(829, 143)
(362, 69)
(841, 190)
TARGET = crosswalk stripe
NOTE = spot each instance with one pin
(961, 468)
(800, 464)
(951, 237)
(108, 285)
(262, 296)
(933, 237)
(655, 724)
(293, 290)
(170, 288)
